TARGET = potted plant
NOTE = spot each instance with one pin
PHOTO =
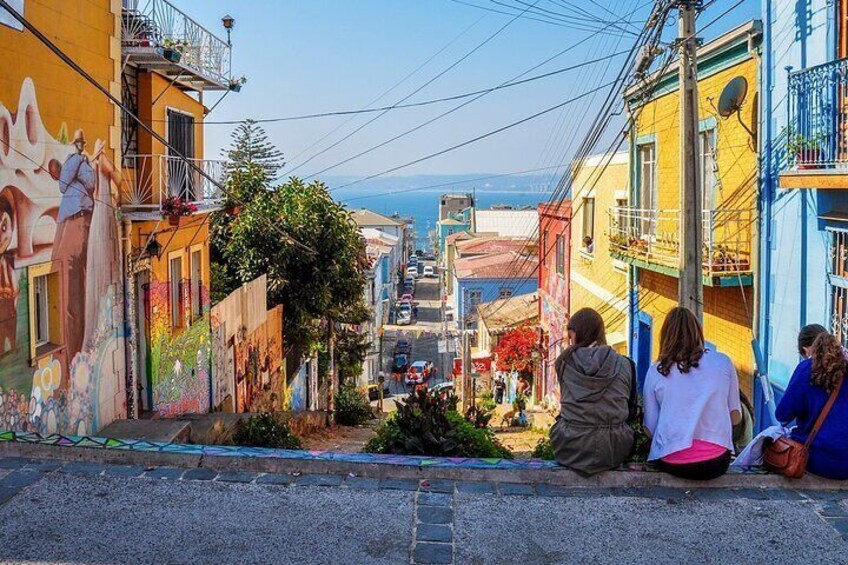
(236, 83)
(172, 49)
(806, 149)
(175, 208)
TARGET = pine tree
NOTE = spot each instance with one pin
(250, 145)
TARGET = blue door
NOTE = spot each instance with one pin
(642, 346)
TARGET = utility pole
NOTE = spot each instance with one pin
(691, 289)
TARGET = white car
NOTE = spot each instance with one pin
(404, 317)
(412, 272)
(429, 272)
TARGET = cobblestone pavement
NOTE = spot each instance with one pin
(52, 511)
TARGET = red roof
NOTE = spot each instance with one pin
(507, 265)
(458, 236)
(484, 246)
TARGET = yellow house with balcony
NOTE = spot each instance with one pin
(598, 280)
(646, 233)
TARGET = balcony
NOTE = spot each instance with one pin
(149, 179)
(816, 141)
(153, 29)
(650, 239)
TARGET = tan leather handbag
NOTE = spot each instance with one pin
(788, 457)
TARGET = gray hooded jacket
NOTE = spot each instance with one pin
(591, 433)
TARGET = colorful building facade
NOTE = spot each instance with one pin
(598, 281)
(804, 179)
(104, 303)
(645, 233)
(554, 287)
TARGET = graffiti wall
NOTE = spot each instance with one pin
(297, 390)
(179, 358)
(260, 382)
(61, 321)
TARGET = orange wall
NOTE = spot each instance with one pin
(152, 86)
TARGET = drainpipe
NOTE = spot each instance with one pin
(130, 314)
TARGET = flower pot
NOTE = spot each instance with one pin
(235, 86)
(172, 55)
(174, 220)
(803, 158)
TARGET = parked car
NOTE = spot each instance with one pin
(419, 252)
(418, 373)
(407, 297)
(409, 280)
(404, 315)
(445, 387)
(429, 272)
(400, 364)
(403, 346)
(412, 272)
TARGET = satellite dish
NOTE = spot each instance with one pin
(732, 97)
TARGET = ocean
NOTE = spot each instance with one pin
(412, 197)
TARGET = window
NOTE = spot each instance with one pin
(45, 314)
(475, 296)
(175, 274)
(838, 291)
(708, 168)
(42, 310)
(506, 293)
(560, 254)
(588, 241)
(196, 283)
(621, 216)
(648, 196)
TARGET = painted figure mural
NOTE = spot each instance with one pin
(61, 365)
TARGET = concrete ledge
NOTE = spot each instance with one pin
(149, 454)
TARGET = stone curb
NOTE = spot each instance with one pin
(554, 477)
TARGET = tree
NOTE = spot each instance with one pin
(250, 146)
(309, 247)
(515, 350)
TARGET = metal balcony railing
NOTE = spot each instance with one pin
(149, 179)
(158, 24)
(818, 117)
(654, 237)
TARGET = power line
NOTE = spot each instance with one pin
(91, 80)
(413, 93)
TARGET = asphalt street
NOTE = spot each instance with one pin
(91, 513)
(423, 333)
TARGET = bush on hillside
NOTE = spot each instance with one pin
(265, 430)
(352, 407)
(428, 424)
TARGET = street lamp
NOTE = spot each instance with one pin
(229, 23)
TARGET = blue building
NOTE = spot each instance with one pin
(448, 227)
(803, 181)
(489, 277)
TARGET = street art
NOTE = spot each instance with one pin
(57, 215)
(554, 323)
(260, 383)
(179, 362)
(296, 391)
(222, 366)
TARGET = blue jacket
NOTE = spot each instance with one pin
(803, 403)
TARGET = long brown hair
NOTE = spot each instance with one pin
(681, 342)
(588, 328)
(807, 336)
(829, 363)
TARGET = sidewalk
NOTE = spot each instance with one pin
(99, 513)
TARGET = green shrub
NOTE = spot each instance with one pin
(544, 449)
(352, 407)
(265, 430)
(428, 424)
(487, 402)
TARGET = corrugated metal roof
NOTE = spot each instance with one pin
(507, 223)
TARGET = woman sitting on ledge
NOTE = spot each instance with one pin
(597, 394)
(809, 388)
(691, 402)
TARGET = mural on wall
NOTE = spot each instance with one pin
(260, 382)
(179, 361)
(553, 321)
(296, 390)
(222, 367)
(57, 214)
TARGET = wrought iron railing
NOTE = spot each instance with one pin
(818, 117)
(149, 179)
(158, 24)
(838, 283)
(654, 237)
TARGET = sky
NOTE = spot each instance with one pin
(302, 57)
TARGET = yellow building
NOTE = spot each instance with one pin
(100, 294)
(599, 281)
(645, 233)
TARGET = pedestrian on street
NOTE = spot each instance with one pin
(500, 386)
(691, 399)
